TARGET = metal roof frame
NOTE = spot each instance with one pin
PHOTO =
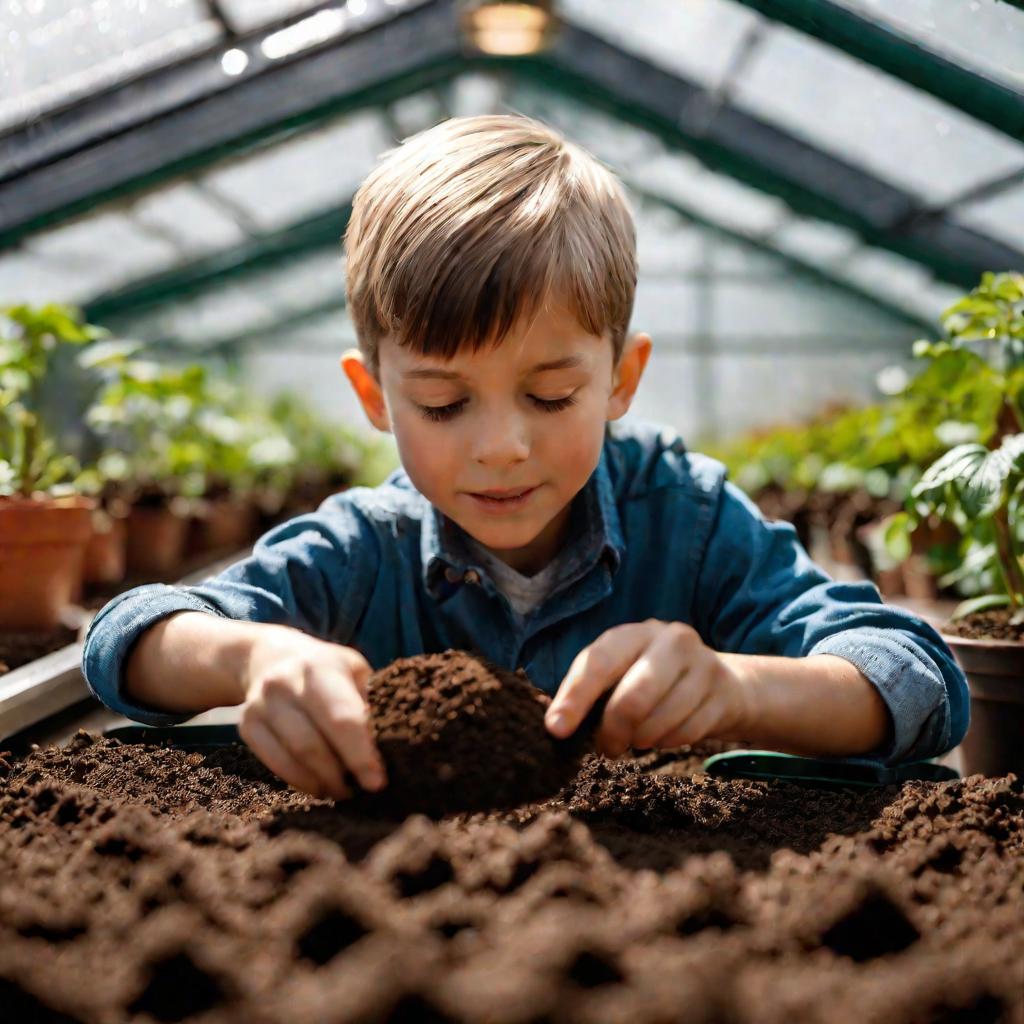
(414, 49)
(904, 57)
(421, 48)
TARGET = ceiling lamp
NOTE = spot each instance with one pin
(509, 29)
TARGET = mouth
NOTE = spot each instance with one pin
(502, 500)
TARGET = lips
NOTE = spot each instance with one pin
(513, 492)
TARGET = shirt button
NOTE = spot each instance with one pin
(472, 576)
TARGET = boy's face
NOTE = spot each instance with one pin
(525, 418)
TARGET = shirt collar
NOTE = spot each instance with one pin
(597, 534)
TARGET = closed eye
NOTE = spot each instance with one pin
(441, 413)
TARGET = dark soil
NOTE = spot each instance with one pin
(459, 734)
(988, 625)
(141, 883)
(17, 649)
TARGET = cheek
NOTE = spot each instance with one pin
(428, 454)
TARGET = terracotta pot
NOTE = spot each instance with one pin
(42, 547)
(105, 554)
(994, 744)
(155, 540)
(223, 524)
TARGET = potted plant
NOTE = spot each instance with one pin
(153, 457)
(978, 486)
(45, 522)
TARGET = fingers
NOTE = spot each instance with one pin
(678, 704)
(697, 726)
(659, 671)
(594, 670)
(297, 733)
(269, 750)
(345, 722)
(358, 667)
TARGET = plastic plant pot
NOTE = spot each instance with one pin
(42, 548)
(994, 744)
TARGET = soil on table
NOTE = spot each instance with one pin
(17, 649)
(993, 624)
(145, 883)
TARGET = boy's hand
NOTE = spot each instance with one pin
(671, 689)
(304, 713)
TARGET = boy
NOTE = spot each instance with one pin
(491, 274)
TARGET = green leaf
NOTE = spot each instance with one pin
(896, 534)
(980, 604)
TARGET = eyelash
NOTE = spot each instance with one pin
(441, 413)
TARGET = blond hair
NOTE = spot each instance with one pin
(465, 228)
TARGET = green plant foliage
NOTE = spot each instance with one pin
(30, 461)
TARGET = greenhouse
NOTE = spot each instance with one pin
(378, 643)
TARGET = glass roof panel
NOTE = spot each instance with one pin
(987, 35)
(305, 174)
(55, 51)
(697, 40)
(1001, 216)
(872, 119)
(246, 15)
(98, 253)
(183, 212)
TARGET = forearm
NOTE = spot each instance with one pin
(190, 662)
(818, 705)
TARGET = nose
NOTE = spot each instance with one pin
(500, 440)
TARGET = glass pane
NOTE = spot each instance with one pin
(246, 15)
(58, 50)
(696, 40)
(987, 35)
(194, 219)
(1002, 216)
(305, 174)
(101, 252)
(871, 119)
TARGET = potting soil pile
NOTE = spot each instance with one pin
(144, 883)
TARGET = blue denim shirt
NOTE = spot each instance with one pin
(657, 532)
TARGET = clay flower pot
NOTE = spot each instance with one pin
(994, 744)
(105, 554)
(222, 524)
(42, 548)
(155, 539)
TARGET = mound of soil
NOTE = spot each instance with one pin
(458, 733)
(140, 883)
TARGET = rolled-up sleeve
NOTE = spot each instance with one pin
(759, 592)
(313, 572)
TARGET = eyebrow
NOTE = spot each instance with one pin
(565, 363)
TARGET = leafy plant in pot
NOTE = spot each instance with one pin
(978, 485)
(145, 415)
(45, 520)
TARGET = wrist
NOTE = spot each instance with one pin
(735, 674)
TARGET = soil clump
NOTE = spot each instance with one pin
(458, 733)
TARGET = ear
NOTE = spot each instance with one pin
(367, 388)
(635, 354)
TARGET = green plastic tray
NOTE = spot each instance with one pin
(190, 737)
(820, 771)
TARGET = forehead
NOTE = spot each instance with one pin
(552, 339)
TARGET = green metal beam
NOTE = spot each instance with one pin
(809, 180)
(202, 275)
(984, 99)
(809, 270)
